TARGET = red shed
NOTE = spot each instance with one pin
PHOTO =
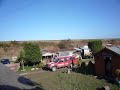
(107, 61)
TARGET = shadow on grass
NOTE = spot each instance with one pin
(107, 79)
(22, 84)
(100, 88)
(7, 87)
(89, 69)
(85, 69)
(46, 69)
(26, 81)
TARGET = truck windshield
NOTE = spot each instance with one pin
(56, 60)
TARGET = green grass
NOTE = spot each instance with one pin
(87, 60)
(74, 81)
(27, 68)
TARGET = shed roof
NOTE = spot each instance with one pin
(115, 49)
(85, 47)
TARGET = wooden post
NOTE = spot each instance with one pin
(106, 87)
(68, 71)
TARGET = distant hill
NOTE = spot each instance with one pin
(12, 48)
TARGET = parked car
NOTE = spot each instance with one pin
(5, 61)
(62, 62)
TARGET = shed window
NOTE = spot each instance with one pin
(107, 57)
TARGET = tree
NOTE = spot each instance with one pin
(95, 45)
(22, 59)
(31, 53)
(64, 44)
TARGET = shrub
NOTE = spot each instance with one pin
(118, 72)
(32, 53)
(40, 65)
(79, 62)
(95, 45)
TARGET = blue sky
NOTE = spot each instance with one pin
(59, 19)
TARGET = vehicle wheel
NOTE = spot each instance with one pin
(54, 69)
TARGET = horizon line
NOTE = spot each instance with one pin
(59, 39)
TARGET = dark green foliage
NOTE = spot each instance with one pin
(22, 59)
(118, 72)
(22, 55)
(40, 65)
(64, 44)
(87, 69)
(95, 45)
(79, 62)
(27, 68)
(32, 53)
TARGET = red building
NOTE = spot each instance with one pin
(107, 61)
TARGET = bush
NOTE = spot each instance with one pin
(40, 65)
(31, 53)
(118, 76)
(79, 62)
(118, 72)
(95, 45)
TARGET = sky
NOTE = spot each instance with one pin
(59, 19)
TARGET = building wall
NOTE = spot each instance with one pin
(99, 65)
(115, 64)
(87, 52)
(100, 62)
